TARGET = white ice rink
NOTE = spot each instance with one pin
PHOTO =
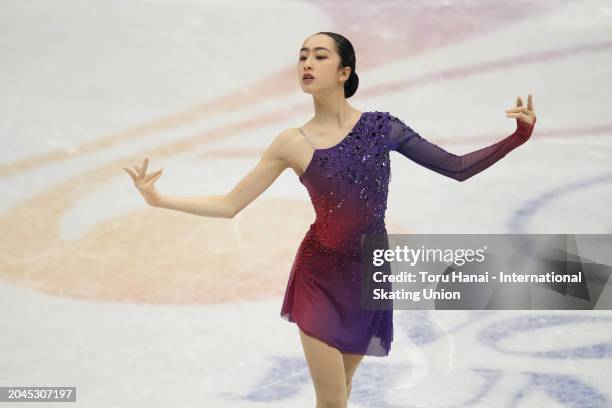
(144, 307)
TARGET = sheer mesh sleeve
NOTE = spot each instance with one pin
(459, 167)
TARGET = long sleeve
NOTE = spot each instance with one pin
(459, 167)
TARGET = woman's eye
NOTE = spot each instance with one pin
(303, 58)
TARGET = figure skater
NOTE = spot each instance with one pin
(341, 156)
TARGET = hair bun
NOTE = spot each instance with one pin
(351, 85)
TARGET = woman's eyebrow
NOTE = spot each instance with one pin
(315, 48)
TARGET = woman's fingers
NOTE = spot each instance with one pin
(517, 115)
(525, 114)
(141, 172)
(145, 164)
(522, 109)
(154, 178)
(530, 102)
(521, 116)
(150, 176)
(131, 173)
(528, 111)
(142, 180)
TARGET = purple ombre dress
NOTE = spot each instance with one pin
(348, 186)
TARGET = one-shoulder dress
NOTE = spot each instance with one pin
(348, 185)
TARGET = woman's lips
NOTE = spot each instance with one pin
(308, 80)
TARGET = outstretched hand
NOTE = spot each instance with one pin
(144, 182)
(525, 116)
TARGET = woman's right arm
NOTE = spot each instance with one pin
(271, 164)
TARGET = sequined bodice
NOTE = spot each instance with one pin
(348, 185)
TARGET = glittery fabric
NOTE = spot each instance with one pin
(348, 187)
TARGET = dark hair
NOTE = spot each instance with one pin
(347, 58)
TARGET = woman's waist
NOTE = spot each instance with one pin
(338, 237)
(348, 227)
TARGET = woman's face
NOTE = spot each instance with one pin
(319, 58)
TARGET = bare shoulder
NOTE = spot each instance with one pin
(289, 136)
(284, 143)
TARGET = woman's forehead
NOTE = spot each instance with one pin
(316, 48)
(317, 42)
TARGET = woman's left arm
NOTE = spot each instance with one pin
(461, 167)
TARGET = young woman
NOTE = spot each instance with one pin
(342, 157)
